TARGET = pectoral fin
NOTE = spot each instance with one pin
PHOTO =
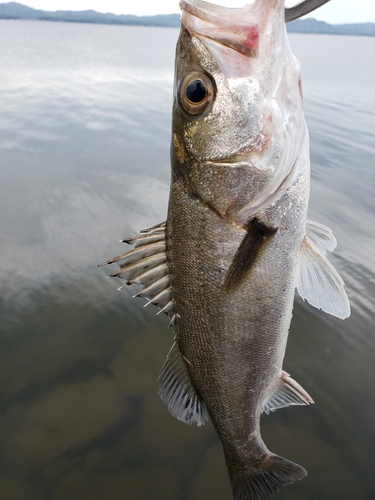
(287, 393)
(319, 283)
(146, 265)
(257, 236)
(177, 391)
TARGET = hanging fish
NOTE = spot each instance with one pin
(236, 243)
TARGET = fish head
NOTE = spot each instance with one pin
(238, 118)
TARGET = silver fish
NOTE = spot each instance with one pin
(236, 243)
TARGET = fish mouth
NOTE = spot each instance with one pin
(291, 13)
(239, 28)
(228, 27)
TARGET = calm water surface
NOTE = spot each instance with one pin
(84, 162)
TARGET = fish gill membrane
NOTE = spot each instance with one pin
(236, 244)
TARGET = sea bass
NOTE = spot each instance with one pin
(236, 243)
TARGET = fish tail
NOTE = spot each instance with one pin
(266, 478)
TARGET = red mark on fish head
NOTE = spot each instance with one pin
(240, 36)
(251, 41)
(246, 39)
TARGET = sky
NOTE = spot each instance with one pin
(335, 12)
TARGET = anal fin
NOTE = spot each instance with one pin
(177, 392)
(287, 393)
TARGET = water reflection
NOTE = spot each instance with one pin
(84, 150)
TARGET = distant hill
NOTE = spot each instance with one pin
(14, 10)
(313, 26)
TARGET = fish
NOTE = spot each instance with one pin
(236, 243)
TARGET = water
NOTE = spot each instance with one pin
(84, 161)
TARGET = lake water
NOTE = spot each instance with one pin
(84, 162)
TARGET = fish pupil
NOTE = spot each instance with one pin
(196, 91)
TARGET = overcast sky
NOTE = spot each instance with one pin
(335, 12)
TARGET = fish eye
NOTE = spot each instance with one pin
(195, 92)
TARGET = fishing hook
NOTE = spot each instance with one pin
(302, 8)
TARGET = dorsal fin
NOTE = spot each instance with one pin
(146, 265)
(177, 392)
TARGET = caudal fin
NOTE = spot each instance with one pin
(265, 479)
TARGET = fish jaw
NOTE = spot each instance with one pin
(255, 122)
(245, 41)
(237, 34)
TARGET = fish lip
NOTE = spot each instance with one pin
(239, 36)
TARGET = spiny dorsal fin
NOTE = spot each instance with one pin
(177, 392)
(319, 282)
(257, 237)
(146, 265)
(287, 393)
